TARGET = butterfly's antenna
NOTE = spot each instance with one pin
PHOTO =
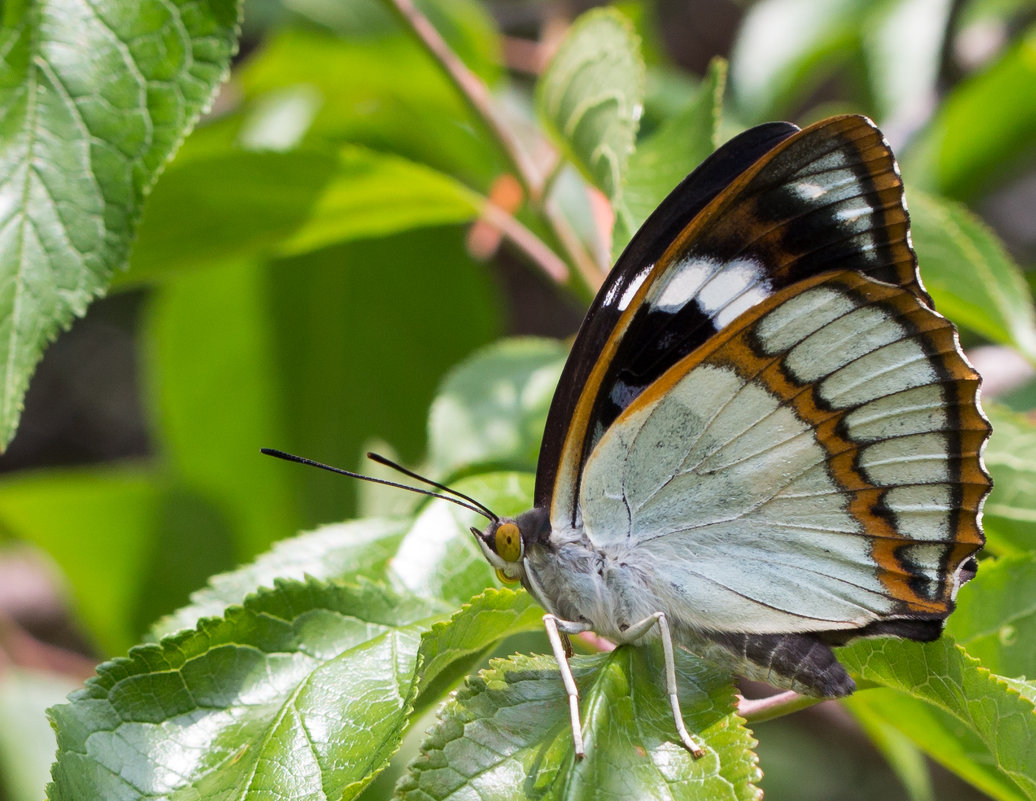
(483, 509)
(472, 504)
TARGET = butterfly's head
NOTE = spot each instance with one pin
(503, 542)
(502, 545)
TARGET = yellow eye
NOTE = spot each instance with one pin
(507, 542)
(506, 579)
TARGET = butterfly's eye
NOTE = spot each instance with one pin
(506, 579)
(507, 542)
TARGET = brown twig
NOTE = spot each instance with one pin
(476, 94)
(526, 241)
(773, 706)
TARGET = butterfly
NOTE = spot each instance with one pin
(765, 442)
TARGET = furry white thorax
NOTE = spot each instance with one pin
(578, 582)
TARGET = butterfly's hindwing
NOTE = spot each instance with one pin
(829, 197)
(815, 466)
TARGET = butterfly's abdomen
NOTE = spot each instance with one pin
(800, 662)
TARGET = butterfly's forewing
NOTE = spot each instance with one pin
(814, 467)
(645, 249)
(826, 198)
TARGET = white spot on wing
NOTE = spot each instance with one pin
(721, 291)
(853, 215)
(685, 283)
(807, 190)
(740, 286)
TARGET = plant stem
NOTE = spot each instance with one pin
(476, 94)
(526, 241)
(774, 706)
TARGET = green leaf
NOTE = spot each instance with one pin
(465, 25)
(433, 555)
(661, 160)
(339, 551)
(481, 623)
(969, 274)
(995, 619)
(591, 96)
(211, 359)
(1009, 515)
(240, 205)
(96, 97)
(267, 700)
(506, 734)
(492, 408)
(785, 48)
(980, 132)
(942, 674)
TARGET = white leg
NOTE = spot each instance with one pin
(638, 630)
(555, 626)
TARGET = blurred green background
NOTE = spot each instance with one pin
(289, 289)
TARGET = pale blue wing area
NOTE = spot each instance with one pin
(734, 510)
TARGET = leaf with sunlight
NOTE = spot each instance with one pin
(591, 97)
(96, 98)
(269, 697)
(971, 277)
(506, 734)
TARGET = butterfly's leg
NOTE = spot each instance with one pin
(555, 626)
(638, 630)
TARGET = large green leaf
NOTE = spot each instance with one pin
(432, 555)
(96, 97)
(591, 95)
(212, 366)
(270, 699)
(343, 550)
(1010, 513)
(940, 735)
(466, 26)
(971, 277)
(373, 326)
(978, 710)
(238, 205)
(995, 619)
(506, 735)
